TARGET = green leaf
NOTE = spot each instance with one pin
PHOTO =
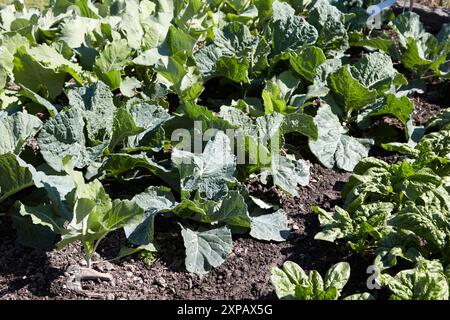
(148, 116)
(376, 71)
(9, 46)
(401, 108)
(15, 174)
(191, 112)
(270, 227)
(337, 276)
(278, 91)
(118, 164)
(33, 96)
(291, 282)
(421, 51)
(44, 215)
(335, 225)
(360, 296)
(315, 283)
(15, 130)
(49, 58)
(160, 22)
(421, 283)
(179, 42)
(182, 79)
(301, 123)
(95, 214)
(98, 106)
(273, 100)
(111, 61)
(289, 173)
(153, 200)
(74, 30)
(232, 211)
(128, 86)
(210, 171)
(45, 80)
(64, 135)
(206, 249)
(239, 118)
(306, 62)
(289, 31)
(413, 57)
(425, 221)
(233, 68)
(330, 24)
(233, 47)
(334, 146)
(124, 126)
(402, 148)
(351, 94)
(295, 273)
(284, 287)
(440, 121)
(131, 25)
(286, 280)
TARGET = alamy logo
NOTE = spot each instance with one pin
(375, 13)
(373, 281)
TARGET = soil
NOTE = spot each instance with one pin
(424, 110)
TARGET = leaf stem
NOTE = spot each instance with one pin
(88, 254)
(428, 76)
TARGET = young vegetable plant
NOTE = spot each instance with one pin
(291, 282)
(422, 53)
(94, 216)
(400, 211)
(427, 281)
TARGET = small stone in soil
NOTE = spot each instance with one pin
(161, 282)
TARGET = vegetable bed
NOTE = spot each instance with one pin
(188, 149)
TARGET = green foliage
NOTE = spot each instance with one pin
(402, 211)
(292, 282)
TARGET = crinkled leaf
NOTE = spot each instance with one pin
(98, 106)
(210, 171)
(15, 130)
(64, 135)
(289, 173)
(376, 71)
(290, 31)
(350, 93)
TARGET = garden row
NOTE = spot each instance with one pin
(189, 100)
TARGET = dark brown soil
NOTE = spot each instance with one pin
(424, 110)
